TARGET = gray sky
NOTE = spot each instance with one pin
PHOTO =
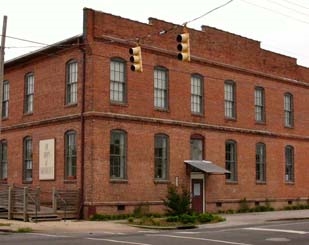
(281, 26)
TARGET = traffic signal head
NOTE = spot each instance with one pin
(183, 46)
(136, 59)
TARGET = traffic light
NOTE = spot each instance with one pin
(183, 46)
(136, 59)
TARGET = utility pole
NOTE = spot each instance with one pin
(2, 47)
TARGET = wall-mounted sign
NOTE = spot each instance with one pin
(47, 159)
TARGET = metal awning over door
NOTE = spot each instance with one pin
(206, 166)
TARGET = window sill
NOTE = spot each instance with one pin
(260, 122)
(162, 109)
(290, 183)
(289, 127)
(231, 182)
(26, 114)
(118, 181)
(196, 114)
(3, 181)
(116, 103)
(27, 182)
(230, 119)
(70, 105)
(161, 181)
(261, 182)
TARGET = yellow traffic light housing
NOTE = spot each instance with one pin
(136, 59)
(183, 46)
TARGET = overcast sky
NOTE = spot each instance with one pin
(281, 26)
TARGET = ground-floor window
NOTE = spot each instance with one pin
(70, 154)
(118, 154)
(27, 164)
(3, 160)
(161, 156)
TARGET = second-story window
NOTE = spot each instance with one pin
(161, 88)
(5, 99)
(260, 162)
(29, 93)
(229, 100)
(259, 103)
(288, 110)
(71, 82)
(196, 94)
(117, 81)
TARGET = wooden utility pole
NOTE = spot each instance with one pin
(2, 47)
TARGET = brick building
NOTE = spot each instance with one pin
(76, 116)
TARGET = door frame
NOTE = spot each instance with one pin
(199, 176)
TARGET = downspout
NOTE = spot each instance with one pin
(82, 118)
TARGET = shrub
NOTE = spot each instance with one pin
(172, 219)
(177, 203)
(244, 206)
(187, 219)
(205, 218)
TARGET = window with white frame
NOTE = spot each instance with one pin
(29, 93)
(161, 156)
(161, 88)
(70, 155)
(260, 162)
(229, 99)
(5, 99)
(289, 163)
(196, 94)
(231, 160)
(259, 99)
(28, 163)
(71, 82)
(117, 81)
(288, 110)
(118, 154)
(3, 160)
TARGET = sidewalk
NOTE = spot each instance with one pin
(80, 226)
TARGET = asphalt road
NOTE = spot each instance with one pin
(292, 232)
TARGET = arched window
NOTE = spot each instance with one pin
(70, 154)
(161, 155)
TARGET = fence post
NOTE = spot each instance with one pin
(54, 200)
(10, 205)
(25, 202)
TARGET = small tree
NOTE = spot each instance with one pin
(177, 203)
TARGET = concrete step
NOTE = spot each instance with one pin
(44, 217)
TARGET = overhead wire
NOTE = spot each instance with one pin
(291, 9)
(296, 4)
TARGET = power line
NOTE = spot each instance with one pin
(284, 6)
(296, 4)
(203, 15)
(277, 12)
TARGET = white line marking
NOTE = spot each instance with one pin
(47, 235)
(187, 232)
(276, 230)
(116, 241)
(202, 239)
